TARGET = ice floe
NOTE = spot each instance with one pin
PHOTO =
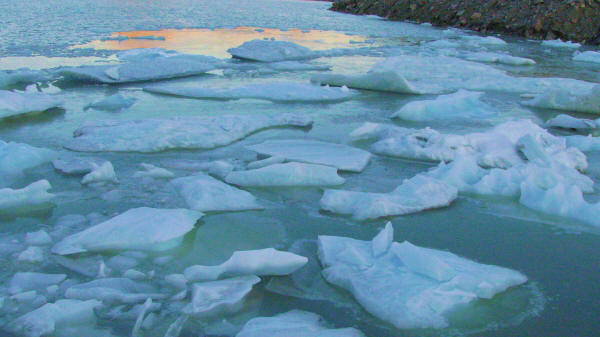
(260, 262)
(220, 297)
(587, 56)
(113, 103)
(155, 135)
(152, 171)
(569, 100)
(34, 196)
(136, 229)
(377, 81)
(22, 76)
(460, 105)
(406, 285)
(272, 91)
(288, 174)
(17, 157)
(74, 166)
(295, 323)
(51, 317)
(38, 238)
(500, 58)
(413, 195)
(569, 122)
(14, 103)
(204, 193)
(27, 281)
(32, 254)
(104, 173)
(340, 156)
(561, 44)
(271, 51)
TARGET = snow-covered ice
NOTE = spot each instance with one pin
(460, 105)
(32, 197)
(288, 174)
(14, 103)
(220, 297)
(202, 192)
(136, 229)
(295, 323)
(341, 156)
(272, 91)
(155, 135)
(413, 195)
(409, 286)
(262, 262)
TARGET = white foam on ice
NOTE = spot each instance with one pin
(288, 174)
(410, 286)
(33, 196)
(14, 103)
(570, 100)
(220, 297)
(413, 195)
(136, 229)
(74, 166)
(341, 156)
(272, 91)
(32, 254)
(260, 262)
(155, 135)
(265, 162)
(295, 323)
(462, 104)
(22, 76)
(38, 238)
(205, 193)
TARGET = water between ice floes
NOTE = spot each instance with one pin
(558, 255)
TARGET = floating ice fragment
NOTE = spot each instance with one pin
(587, 56)
(143, 228)
(22, 76)
(413, 195)
(17, 157)
(341, 156)
(561, 44)
(26, 281)
(272, 91)
(375, 80)
(32, 197)
(271, 51)
(155, 135)
(500, 58)
(104, 173)
(409, 286)
(113, 290)
(260, 262)
(17, 103)
(382, 242)
(205, 193)
(462, 104)
(289, 174)
(569, 122)
(295, 323)
(153, 172)
(32, 254)
(564, 99)
(38, 238)
(584, 143)
(265, 162)
(220, 297)
(114, 103)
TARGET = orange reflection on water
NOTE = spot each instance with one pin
(216, 42)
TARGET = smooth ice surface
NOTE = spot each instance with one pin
(17, 157)
(410, 286)
(220, 297)
(569, 122)
(155, 135)
(341, 156)
(261, 262)
(50, 317)
(13, 103)
(413, 195)
(460, 105)
(104, 173)
(295, 323)
(587, 56)
(141, 228)
(271, 51)
(288, 174)
(389, 81)
(143, 67)
(204, 193)
(272, 91)
(569, 100)
(31, 197)
(112, 103)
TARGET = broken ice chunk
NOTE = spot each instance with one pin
(32, 197)
(113, 103)
(143, 228)
(113, 290)
(462, 104)
(17, 157)
(289, 174)
(260, 262)
(104, 173)
(376, 81)
(153, 172)
(220, 297)
(26, 281)
(17, 103)
(271, 51)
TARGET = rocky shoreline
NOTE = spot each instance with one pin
(575, 20)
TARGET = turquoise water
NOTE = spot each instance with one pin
(559, 256)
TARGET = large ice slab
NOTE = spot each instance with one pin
(205, 193)
(272, 91)
(410, 286)
(271, 51)
(288, 174)
(220, 297)
(14, 103)
(413, 195)
(155, 135)
(143, 67)
(376, 81)
(113, 290)
(295, 323)
(341, 156)
(460, 105)
(260, 262)
(137, 229)
(569, 100)
(32, 197)
(45, 320)
(17, 157)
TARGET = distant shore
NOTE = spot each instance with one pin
(575, 20)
